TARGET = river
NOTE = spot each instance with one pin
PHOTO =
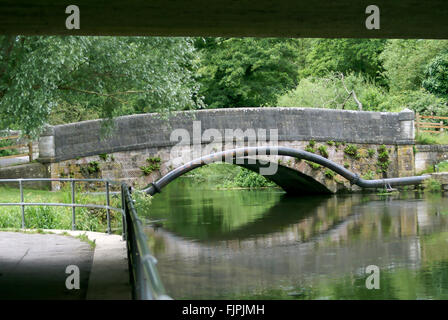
(264, 244)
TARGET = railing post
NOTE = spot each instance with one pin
(73, 207)
(108, 210)
(23, 206)
(123, 214)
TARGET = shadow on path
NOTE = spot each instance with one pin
(32, 266)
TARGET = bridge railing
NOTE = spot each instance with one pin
(142, 264)
(144, 277)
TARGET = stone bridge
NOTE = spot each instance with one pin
(142, 148)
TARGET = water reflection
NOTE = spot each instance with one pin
(264, 244)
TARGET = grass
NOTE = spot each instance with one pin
(442, 166)
(431, 138)
(50, 217)
(85, 238)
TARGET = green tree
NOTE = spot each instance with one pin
(245, 72)
(405, 61)
(107, 76)
(436, 76)
(344, 55)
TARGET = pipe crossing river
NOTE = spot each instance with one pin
(281, 151)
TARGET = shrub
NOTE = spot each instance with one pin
(436, 75)
(329, 173)
(383, 159)
(91, 168)
(329, 92)
(323, 151)
(309, 148)
(352, 151)
(330, 143)
(314, 166)
(153, 164)
(249, 179)
(432, 185)
(442, 166)
(371, 152)
(370, 175)
(142, 203)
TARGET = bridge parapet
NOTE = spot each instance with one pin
(143, 131)
(79, 150)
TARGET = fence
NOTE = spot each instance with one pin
(431, 127)
(143, 274)
(142, 265)
(29, 145)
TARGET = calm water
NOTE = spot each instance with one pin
(237, 244)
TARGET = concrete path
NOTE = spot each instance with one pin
(32, 266)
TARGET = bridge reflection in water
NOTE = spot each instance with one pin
(264, 244)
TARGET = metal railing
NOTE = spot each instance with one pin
(143, 275)
(73, 203)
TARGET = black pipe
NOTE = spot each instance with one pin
(281, 151)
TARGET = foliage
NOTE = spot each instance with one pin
(329, 173)
(405, 61)
(330, 143)
(323, 151)
(329, 92)
(352, 151)
(7, 152)
(436, 76)
(442, 166)
(246, 72)
(142, 203)
(383, 159)
(153, 164)
(310, 149)
(370, 175)
(314, 166)
(344, 55)
(106, 76)
(432, 185)
(57, 217)
(370, 152)
(249, 179)
(93, 167)
(430, 138)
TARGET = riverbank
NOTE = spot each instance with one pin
(49, 217)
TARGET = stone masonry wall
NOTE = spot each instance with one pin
(144, 131)
(126, 166)
(78, 150)
(429, 155)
